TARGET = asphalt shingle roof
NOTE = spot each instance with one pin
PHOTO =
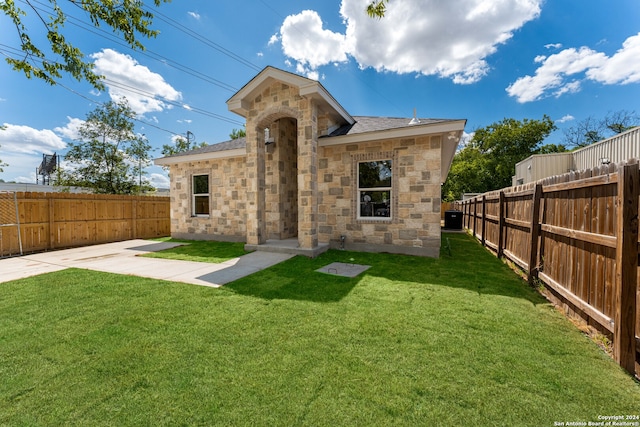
(363, 124)
(221, 146)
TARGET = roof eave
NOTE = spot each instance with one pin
(239, 103)
(172, 160)
(404, 132)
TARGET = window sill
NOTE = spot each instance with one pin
(374, 219)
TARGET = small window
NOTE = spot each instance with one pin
(200, 195)
(374, 189)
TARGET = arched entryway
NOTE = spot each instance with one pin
(281, 179)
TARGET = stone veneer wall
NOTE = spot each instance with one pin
(227, 188)
(281, 181)
(275, 102)
(415, 224)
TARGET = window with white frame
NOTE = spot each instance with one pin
(200, 195)
(374, 189)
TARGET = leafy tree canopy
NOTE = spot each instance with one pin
(488, 161)
(238, 133)
(180, 145)
(109, 157)
(49, 60)
(377, 8)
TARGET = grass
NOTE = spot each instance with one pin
(455, 341)
(199, 250)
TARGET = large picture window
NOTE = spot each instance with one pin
(200, 195)
(374, 189)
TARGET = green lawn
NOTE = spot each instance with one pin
(199, 250)
(459, 341)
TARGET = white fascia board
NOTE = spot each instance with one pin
(409, 131)
(238, 152)
(316, 90)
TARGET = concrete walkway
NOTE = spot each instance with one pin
(121, 258)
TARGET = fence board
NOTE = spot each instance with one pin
(61, 220)
(573, 237)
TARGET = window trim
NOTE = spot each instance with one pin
(194, 195)
(389, 189)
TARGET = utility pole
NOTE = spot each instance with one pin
(189, 136)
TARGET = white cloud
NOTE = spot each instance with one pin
(70, 130)
(27, 140)
(429, 37)
(566, 118)
(304, 40)
(553, 46)
(565, 71)
(143, 88)
(623, 67)
(273, 40)
(158, 180)
(194, 15)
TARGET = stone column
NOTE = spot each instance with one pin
(256, 233)
(308, 177)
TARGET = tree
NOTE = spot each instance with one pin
(2, 164)
(377, 8)
(128, 19)
(488, 161)
(591, 130)
(138, 152)
(238, 133)
(180, 145)
(105, 157)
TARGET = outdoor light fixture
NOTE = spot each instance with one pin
(268, 139)
(605, 160)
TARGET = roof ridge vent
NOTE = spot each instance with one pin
(415, 120)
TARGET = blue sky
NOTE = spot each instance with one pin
(480, 60)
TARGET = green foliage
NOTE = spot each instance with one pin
(238, 133)
(377, 8)
(180, 145)
(127, 19)
(109, 158)
(488, 161)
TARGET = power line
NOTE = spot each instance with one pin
(10, 50)
(203, 39)
(79, 23)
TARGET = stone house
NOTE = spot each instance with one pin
(309, 176)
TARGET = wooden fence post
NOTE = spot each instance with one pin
(501, 224)
(134, 218)
(624, 336)
(466, 214)
(475, 215)
(535, 234)
(52, 221)
(484, 212)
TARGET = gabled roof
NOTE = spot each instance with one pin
(233, 148)
(365, 124)
(240, 102)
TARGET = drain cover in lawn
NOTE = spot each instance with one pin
(343, 269)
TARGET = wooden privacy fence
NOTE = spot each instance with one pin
(62, 220)
(578, 234)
